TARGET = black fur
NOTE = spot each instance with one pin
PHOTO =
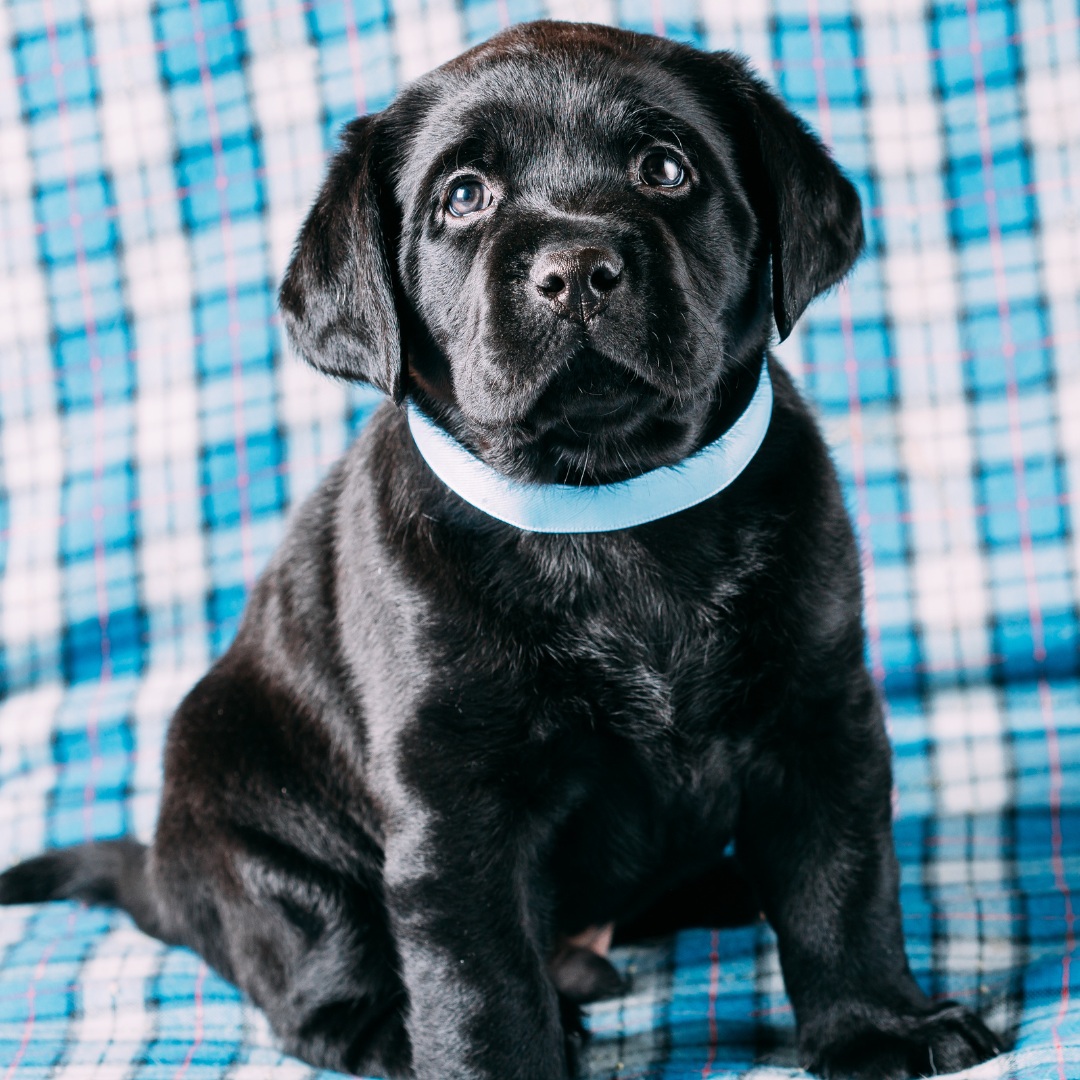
(440, 747)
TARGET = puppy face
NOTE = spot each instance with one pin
(560, 244)
(578, 247)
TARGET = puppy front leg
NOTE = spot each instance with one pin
(481, 1005)
(815, 833)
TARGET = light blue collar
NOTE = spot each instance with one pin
(562, 508)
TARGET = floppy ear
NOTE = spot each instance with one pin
(809, 211)
(338, 294)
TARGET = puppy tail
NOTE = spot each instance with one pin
(111, 873)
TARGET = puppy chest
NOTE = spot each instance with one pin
(569, 709)
(635, 664)
(644, 676)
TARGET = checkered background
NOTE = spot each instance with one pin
(155, 159)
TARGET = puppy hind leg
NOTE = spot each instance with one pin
(355, 1037)
(313, 950)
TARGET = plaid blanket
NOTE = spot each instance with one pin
(155, 158)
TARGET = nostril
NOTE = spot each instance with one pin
(552, 284)
(605, 277)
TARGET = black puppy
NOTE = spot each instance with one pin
(443, 750)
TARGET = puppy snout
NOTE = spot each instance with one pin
(578, 281)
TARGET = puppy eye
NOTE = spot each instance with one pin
(660, 169)
(468, 197)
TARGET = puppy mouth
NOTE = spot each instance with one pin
(596, 422)
(588, 415)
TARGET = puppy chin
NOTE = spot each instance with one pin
(585, 417)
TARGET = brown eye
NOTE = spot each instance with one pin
(467, 197)
(661, 170)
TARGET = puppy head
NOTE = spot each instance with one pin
(566, 244)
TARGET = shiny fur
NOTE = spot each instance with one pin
(439, 746)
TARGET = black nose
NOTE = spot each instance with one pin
(578, 281)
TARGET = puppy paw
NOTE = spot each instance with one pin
(947, 1039)
(582, 976)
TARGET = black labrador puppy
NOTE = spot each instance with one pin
(446, 753)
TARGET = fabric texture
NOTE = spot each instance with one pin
(155, 159)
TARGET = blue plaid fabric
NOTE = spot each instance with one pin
(155, 159)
